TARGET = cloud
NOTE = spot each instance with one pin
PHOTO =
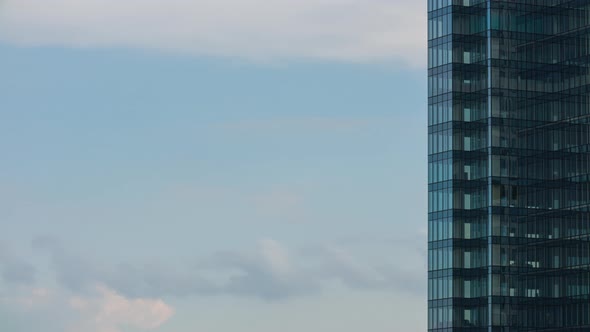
(105, 296)
(109, 311)
(76, 272)
(276, 258)
(270, 272)
(31, 298)
(260, 30)
(101, 310)
(15, 270)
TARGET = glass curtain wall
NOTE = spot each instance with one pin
(509, 164)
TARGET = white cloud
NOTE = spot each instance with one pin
(100, 310)
(261, 30)
(109, 311)
(277, 258)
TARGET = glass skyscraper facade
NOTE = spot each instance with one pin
(509, 165)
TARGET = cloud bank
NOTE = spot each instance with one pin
(94, 295)
(269, 272)
(99, 310)
(259, 30)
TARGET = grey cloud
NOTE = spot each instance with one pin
(250, 277)
(268, 273)
(387, 274)
(74, 272)
(154, 280)
(18, 272)
(256, 278)
(15, 270)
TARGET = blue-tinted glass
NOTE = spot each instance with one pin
(509, 150)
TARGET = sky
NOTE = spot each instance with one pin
(212, 166)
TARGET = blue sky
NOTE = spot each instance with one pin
(174, 178)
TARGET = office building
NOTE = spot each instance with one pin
(509, 165)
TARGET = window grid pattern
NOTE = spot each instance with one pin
(509, 164)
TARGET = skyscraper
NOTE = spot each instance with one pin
(509, 165)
